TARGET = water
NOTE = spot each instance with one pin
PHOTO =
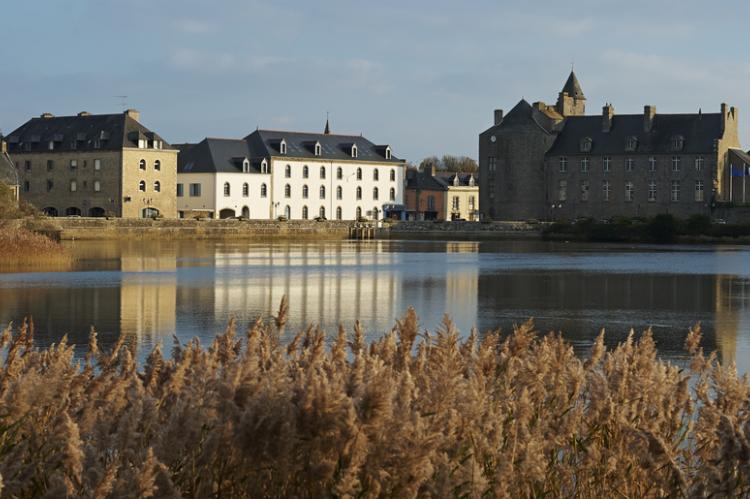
(153, 290)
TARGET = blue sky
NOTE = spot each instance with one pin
(423, 76)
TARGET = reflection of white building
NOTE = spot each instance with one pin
(270, 174)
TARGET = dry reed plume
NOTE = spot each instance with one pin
(411, 414)
(22, 249)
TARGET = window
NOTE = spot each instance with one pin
(584, 165)
(629, 191)
(157, 165)
(157, 186)
(51, 165)
(393, 175)
(354, 150)
(652, 164)
(563, 164)
(699, 190)
(338, 213)
(322, 192)
(245, 166)
(387, 153)
(263, 190)
(195, 190)
(652, 191)
(287, 212)
(562, 190)
(472, 203)
(339, 173)
(584, 190)
(631, 143)
(606, 162)
(375, 175)
(287, 191)
(73, 164)
(97, 164)
(322, 172)
(339, 192)
(288, 171)
(375, 193)
(26, 186)
(675, 163)
(264, 166)
(305, 191)
(629, 163)
(51, 145)
(180, 190)
(305, 172)
(227, 189)
(142, 164)
(699, 165)
(606, 190)
(322, 212)
(675, 190)
(304, 213)
(359, 212)
(282, 146)
(585, 145)
(359, 173)
(359, 193)
(456, 204)
(142, 186)
(678, 142)
(317, 149)
(392, 194)
(50, 185)
(491, 166)
(431, 203)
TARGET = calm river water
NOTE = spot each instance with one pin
(152, 290)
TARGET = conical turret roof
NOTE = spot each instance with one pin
(572, 87)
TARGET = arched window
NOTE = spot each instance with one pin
(338, 213)
(354, 150)
(288, 212)
(392, 194)
(375, 174)
(305, 191)
(142, 186)
(287, 191)
(157, 186)
(288, 171)
(322, 172)
(304, 212)
(142, 164)
(359, 193)
(339, 173)
(387, 153)
(227, 189)
(359, 212)
(305, 172)
(678, 142)
(322, 212)
(339, 192)
(245, 190)
(264, 166)
(393, 175)
(359, 173)
(317, 149)
(263, 190)
(375, 193)
(322, 192)
(282, 147)
(157, 165)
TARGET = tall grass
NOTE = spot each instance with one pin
(21, 249)
(411, 414)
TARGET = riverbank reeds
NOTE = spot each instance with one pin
(24, 250)
(411, 414)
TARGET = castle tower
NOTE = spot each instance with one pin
(571, 101)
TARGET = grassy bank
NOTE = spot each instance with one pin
(412, 414)
(23, 250)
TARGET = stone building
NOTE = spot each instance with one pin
(94, 165)
(296, 175)
(8, 172)
(554, 162)
(431, 195)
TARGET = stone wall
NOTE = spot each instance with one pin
(460, 230)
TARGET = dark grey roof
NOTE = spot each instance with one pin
(572, 87)
(8, 172)
(213, 155)
(112, 131)
(699, 131)
(425, 181)
(302, 145)
(740, 155)
(463, 178)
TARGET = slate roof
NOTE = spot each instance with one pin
(699, 131)
(265, 143)
(441, 181)
(740, 155)
(113, 131)
(572, 87)
(212, 155)
(8, 172)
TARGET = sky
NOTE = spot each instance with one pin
(422, 76)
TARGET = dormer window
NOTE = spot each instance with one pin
(456, 182)
(585, 144)
(354, 150)
(282, 147)
(678, 142)
(472, 182)
(631, 143)
(245, 166)
(264, 166)
(318, 149)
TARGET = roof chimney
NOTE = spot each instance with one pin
(3, 145)
(433, 170)
(47, 115)
(608, 113)
(84, 113)
(133, 113)
(649, 113)
(498, 116)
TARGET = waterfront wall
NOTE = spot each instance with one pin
(461, 230)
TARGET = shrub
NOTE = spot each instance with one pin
(22, 249)
(697, 225)
(662, 228)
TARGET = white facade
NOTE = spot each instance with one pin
(223, 195)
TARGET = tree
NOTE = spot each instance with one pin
(449, 163)
(429, 163)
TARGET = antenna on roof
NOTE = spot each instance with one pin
(123, 101)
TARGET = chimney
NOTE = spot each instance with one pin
(84, 113)
(649, 112)
(433, 170)
(728, 114)
(133, 113)
(498, 116)
(47, 115)
(608, 113)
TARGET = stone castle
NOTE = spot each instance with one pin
(555, 162)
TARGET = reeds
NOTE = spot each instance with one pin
(22, 249)
(411, 414)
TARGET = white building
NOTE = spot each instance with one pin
(271, 174)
